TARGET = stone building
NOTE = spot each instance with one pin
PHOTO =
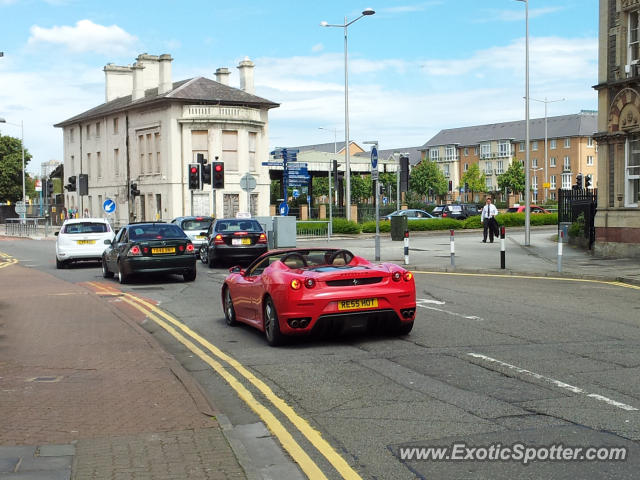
(150, 129)
(618, 219)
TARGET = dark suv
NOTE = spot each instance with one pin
(460, 211)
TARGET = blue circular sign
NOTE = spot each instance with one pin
(283, 209)
(109, 206)
(296, 193)
(374, 158)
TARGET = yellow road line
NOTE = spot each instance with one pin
(9, 260)
(297, 453)
(586, 280)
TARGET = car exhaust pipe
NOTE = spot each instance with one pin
(294, 323)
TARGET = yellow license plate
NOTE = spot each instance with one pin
(200, 237)
(163, 250)
(356, 304)
(85, 242)
(246, 241)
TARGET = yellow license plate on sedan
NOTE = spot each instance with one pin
(85, 242)
(200, 237)
(356, 304)
(240, 241)
(163, 250)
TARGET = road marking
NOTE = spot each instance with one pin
(421, 303)
(529, 277)
(555, 382)
(8, 260)
(315, 437)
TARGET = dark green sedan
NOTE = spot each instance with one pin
(148, 248)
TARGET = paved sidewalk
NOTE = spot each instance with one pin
(85, 393)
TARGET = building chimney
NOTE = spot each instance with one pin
(222, 75)
(165, 85)
(150, 74)
(118, 81)
(246, 75)
(138, 82)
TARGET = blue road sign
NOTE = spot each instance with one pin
(297, 164)
(273, 164)
(283, 209)
(374, 158)
(109, 206)
(295, 193)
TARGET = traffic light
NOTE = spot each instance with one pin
(404, 173)
(579, 180)
(49, 187)
(194, 176)
(466, 186)
(206, 174)
(83, 184)
(133, 190)
(217, 180)
(71, 186)
(587, 181)
(450, 185)
(334, 167)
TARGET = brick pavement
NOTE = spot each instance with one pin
(74, 371)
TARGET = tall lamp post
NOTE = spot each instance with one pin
(546, 141)
(365, 12)
(527, 179)
(21, 125)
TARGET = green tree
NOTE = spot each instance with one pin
(427, 175)
(476, 180)
(321, 186)
(11, 169)
(361, 188)
(513, 178)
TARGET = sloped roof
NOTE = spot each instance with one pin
(194, 90)
(581, 124)
(414, 153)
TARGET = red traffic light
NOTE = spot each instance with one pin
(218, 167)
(194, 169)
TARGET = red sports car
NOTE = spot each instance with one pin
(304, 290)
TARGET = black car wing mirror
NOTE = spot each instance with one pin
(108, 242)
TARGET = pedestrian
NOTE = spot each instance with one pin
(489, 212)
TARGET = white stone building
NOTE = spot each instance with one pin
(150, 129)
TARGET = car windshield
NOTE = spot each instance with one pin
(240, 225)
(512, 209)
(438, 209)
(196, 224)
(155, 231)
(455, 208)
(86, 227)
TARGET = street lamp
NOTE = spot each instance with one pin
(527, 180)
(365, 12)
(335, 137)
(21, 125)
(546, 147)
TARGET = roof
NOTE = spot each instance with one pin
(414, 153)
(194, 90)
(582, 124)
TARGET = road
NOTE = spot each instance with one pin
(491, 360)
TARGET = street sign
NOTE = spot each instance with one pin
(248, 183)
(109, 206)
(546, 185)
(21, 208)
(273, 164)
(38, 185)
(283, 209)
(374, 163)
(295, 193)
(297, 164)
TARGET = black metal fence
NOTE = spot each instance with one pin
(572, 203)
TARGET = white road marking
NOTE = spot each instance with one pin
(420, 302)
(557, 383)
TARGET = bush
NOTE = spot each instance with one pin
(342, 225)
(370, 227)
(577, 228)
(517, 219)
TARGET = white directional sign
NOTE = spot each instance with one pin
(248, 183)
(21, 208)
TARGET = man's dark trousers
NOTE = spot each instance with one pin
(488, 226)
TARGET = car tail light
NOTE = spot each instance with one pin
(240, 233)
(396, 276)
(190, 248)
(444, 214)
(296, 284)
(217, 240)
(262, 238)
(309, 283)
(134, 251)
(408, 276)
(145, 250)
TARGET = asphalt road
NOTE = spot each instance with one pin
(491, 361)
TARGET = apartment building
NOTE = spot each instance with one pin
(618, 220)
(570, 150)
(149, 129)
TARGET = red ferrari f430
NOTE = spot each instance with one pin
(325, 290)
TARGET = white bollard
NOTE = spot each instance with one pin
(560, 240)
(453, 250)
(406, 247)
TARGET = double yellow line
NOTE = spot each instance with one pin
(211, 356)
(7, 260)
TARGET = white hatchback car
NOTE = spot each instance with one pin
(82, 239)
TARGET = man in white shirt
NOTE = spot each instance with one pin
(489, 211)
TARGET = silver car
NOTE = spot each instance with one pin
(195, 227)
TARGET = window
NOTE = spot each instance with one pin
(97, 129)
(466, 167)
(253, 136)
(157, 145)
(534, 146)
(552, 182)
(589, 159)
(87, 168)
(434, 154)
(445, 169)
(88, 131)
(141, 152)
(521, 146)
(590, 177)
(99, 164)
(633, 53)
(567, 164)
(488, 184)
(534, 162)
(632, 173)
(553, 144)
(475, 151)
(499, 167)
(552, 162)
(115, 125)
(488, 168)
(449, 152)
(534, 183)
(485, 150)
(466, 151)
(552, 195)
(149, 154)
(116, 162)
(230, 149)
(567, 142)
(566, 181)
(504, 148)
(589, 141)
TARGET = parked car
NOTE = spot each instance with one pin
(460, 211)
(145, 248)
(302, 291)
(411, 214)
(532, 209)
(82, 239)
(235, 240)
(195, 228)
(437, 210)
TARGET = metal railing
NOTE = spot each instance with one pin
(25, 227)
(313, 229)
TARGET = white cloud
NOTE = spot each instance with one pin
(85, 36)
(318, 47)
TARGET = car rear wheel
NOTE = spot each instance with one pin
(203, 255)
(59, 264)
(190, 275)
(122, 277)
(229, 311)
(105, 270)
(271, 324)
